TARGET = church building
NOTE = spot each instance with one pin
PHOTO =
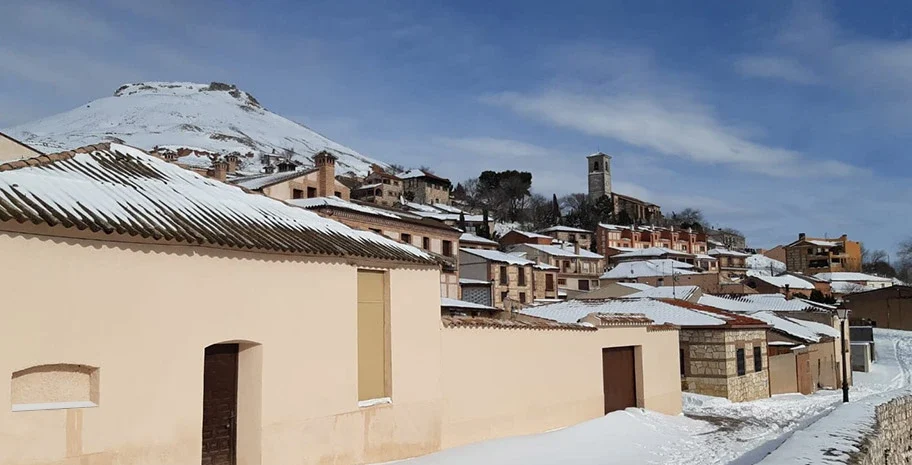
(600, 185)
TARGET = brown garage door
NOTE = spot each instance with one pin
(220, 404)
(619, 378)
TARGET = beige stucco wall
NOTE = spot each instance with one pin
(499, 382)
(144, 314)
(783, 374)
(10, 150)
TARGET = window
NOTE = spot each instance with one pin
(448, 248)
(561, 281)
(572, 237)
(503, 274)
(407, 238)
(337, 194)
(739, 355)
(373, 339)
(426, 243)
(503, 296)
(297, 194)
(549, 282)
(583, 284)
(522, 297)
(595, 166)
(594, 283)
(376, 231)
(52, 387)
(758, 359)
(311, 192)
(522, 277)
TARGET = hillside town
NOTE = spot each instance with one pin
(274, 306)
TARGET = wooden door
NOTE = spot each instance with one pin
(220, 404)
(619, 378)
(805, 378)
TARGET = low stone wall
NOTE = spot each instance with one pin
(890, 442)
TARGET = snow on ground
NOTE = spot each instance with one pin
(788, 428)
(833, 437)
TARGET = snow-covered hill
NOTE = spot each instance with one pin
(213, 117)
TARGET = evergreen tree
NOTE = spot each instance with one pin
(483, 230)
(555, 211)
(462, 222)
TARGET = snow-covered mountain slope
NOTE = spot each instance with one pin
(213, 117)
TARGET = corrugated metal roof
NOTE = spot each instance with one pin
(113, 188)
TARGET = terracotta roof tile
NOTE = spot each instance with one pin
(524, 323)
(732, 319)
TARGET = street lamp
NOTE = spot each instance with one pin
(843, 313)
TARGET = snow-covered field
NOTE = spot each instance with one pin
(790, 428)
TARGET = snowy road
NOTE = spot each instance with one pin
(712, 431)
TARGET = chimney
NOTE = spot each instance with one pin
(326, 173)
(232, 159)
(269, 169)
(219, 170)
(788, 295)
(801, 236)
(576, 248)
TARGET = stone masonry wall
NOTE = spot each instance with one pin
(890, 443)
(705, 362)
(711, 367)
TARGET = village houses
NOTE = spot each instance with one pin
(811, 256)
(425, 187)
(288, 182)
(514, 280)
(369, 323)
(379, 187)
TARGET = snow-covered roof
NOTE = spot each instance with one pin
(651, 252)
(764, 263)
(419, 206)
(572, 311)
(762, 302)
(665, 292)
(447, 208)
(637, 286)
(446, 302)
(568, 229)
(416, 173)
(848, 287)
(498, 256)
(807, 331)
(114, 188)
(648, 268)
(727, 252)
(822, 243)
(260, 181)
(703, 256)
(369, 186)
(793, 282)
(334, 201)
(530, 235)
(471, 238)
(564, 250)
(724, 303)
(850, 276)
(475, 282)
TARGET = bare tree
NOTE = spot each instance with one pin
(904, 261)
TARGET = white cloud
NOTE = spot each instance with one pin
(775, 67)
(488, 146)
(671, 127)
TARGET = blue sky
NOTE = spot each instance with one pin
(774, 117)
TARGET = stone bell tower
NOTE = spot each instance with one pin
(599, 175)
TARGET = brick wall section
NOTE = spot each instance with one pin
(891, 441)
